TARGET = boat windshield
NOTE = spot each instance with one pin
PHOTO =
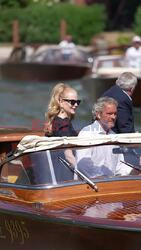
(45, 167)
(110, 62)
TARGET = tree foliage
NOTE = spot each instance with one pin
(14, 3)
(120, 12)
(41, 23)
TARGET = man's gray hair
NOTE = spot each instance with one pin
(127, 81)
(100, 104)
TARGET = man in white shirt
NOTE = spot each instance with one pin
(133, 54)
(101, 160)
(67, 47)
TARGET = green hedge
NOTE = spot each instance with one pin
(137, 23)
(41, 23)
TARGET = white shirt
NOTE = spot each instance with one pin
(133, 57)
(127, 95)
(100, 160)
(66, 47)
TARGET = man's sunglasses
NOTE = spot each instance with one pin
(72, 102)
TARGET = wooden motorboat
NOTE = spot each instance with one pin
(104, 73)
(41, 72)
(37, 211)
(44, 65)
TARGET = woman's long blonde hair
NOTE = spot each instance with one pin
(54, 105)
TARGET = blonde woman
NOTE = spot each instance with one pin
(61, 109)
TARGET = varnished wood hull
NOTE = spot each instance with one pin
(40, 234)
(60, 219)
(97, 86)
(42, 72)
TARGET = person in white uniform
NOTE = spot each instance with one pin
(67, 47)
(101, 160)
(133, 53)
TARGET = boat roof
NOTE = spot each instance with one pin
(34, 143)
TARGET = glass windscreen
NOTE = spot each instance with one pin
(46, 167)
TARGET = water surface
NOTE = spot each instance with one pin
(23, 104)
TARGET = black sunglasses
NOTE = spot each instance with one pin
(72, 102)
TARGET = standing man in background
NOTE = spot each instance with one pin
(67, 47)
(122, 92)
(133, 53)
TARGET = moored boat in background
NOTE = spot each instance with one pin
(44, 64)
(104, 73)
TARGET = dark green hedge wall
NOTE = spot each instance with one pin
(41, 23)
(137, 23)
